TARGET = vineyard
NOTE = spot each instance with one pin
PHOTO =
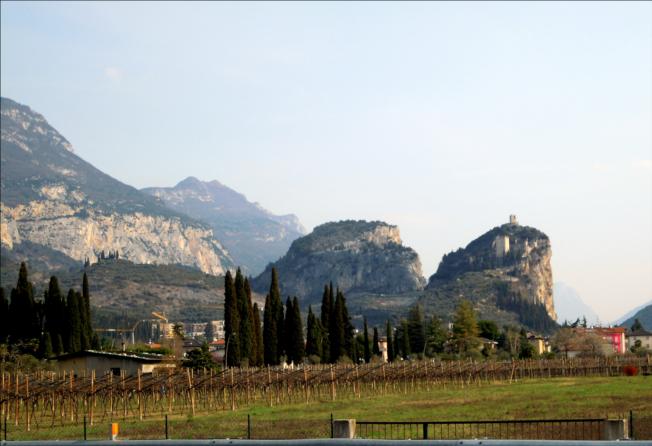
(47, 399)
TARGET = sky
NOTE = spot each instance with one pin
(440, 117)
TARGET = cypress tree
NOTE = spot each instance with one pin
(296, 335)
(54, 314)
(84, 338)
(45, 346)
(252, 352)
(209, 332)
(349, 331)
(416, 329)
(336, 331)
(22, 321)
(405, 339)
(272, 329)
(86, 299)
(314, 341)
(326, 312)
(258, 337)
(367, 350)
(73, 338)
(231, 321)
(244, 314)
(390, 341)
(4, 316)
(288, 330)
(270, 341)
(375, 348)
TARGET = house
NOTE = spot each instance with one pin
(110, 362)
(541, 345)
(614, 336)
(639, 335)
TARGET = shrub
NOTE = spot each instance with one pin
(630, 370)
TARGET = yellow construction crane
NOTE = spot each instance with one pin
(160, 316)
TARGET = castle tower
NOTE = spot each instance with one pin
(513, 220)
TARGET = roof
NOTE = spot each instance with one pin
(639, 333)
(112, 355)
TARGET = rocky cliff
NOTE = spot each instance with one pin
(357, 256)
(510, 263)
(253, 235)
(52, 197)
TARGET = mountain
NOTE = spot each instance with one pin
(54, 200)
(569, 306)
(630, 314)
(644, 315)
(506, 270)
(357, 256)
(253, 236)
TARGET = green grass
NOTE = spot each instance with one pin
(545, 398)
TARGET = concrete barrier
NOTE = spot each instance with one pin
(343, 428)
(615, 430)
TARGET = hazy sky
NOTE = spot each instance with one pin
(442, 118)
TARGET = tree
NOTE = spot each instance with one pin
(74, 334)
(341, 330)
(200, 358)
(45, 346)
(231, 321)
(390, 341)
(258, 336)
(314, 341)
(416, 329)
(405, 339)
(465, 328)
(375, 347)
(55, 311)
(296, 346)
(87, 323)
(436, 336)
(488, 330)
(637, 326)
(326, 312)
(23, 322)
(249, 327)
(273, 307)
(4, 316)
(365, 339)
(245, 330)
(209, 332)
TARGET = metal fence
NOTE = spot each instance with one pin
(551, 429)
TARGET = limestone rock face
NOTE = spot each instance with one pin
(357, 256)
(516, 256)
(51, 197)
(253, 235)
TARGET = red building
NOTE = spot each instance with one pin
(613, 336)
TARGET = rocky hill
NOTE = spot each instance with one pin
(54, 199)
(507, 268)
(253, 236)
(357, 256)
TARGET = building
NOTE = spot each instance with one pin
(639, 335)
(513, 220)
(108, 362)
(541, 345)
(382, 346)
(615, 337)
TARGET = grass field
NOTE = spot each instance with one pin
(537, 398)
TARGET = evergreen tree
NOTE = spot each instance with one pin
(405, 339)
(416, 330)
(73, 336)
(349, 331)
(314, 342)
(4, 316)
(272, 314)
(45, 346)
(231, 321)
(365, 340)
(390, 341)
(245, 330)
(288, 329)
(249, 327)
(295, 333)
(258, 337)
(86, 300)
(375, 348)
(23, 324)
(465, 327)
(637, 326)
(435, 336)
(326, 312)
(54, 314)
(84, 339)
(336, 330)
(209, 332)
